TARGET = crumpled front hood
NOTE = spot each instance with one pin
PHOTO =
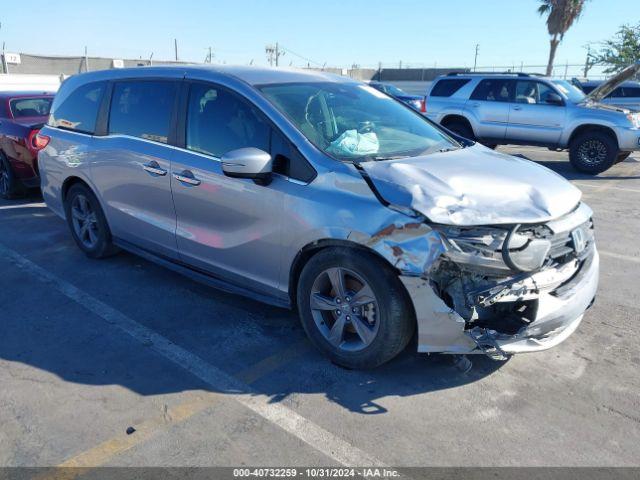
(474, 186)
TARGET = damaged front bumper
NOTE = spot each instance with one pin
(561, 295)
(496, 290)
(559, 312)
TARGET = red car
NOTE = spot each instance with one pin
(22, 114)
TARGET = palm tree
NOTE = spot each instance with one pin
(560, 16)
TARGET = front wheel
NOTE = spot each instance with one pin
(354, 308)
(593, 152)
(87, 222)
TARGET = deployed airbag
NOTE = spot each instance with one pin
(351, 142)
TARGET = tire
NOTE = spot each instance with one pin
(389, 321)
(461, 128)
(622, 156)
(593, 152)
(10, 186)
(87, 222)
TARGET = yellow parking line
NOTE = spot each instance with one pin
(199, 401)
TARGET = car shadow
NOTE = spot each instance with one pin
(46, 330)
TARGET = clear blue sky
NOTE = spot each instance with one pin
(339, 32)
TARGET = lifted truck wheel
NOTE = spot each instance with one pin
(593, 152)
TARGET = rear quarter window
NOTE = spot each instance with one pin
(447, 87)
(79, 111)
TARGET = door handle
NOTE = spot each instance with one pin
(475, 105)
(186, 176)
(517, 108)
(154, 167)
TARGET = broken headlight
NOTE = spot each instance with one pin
(501, 250)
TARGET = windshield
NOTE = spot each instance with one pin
(354, 121)
(573, 93)
(30, 107)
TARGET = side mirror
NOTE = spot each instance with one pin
(248, 163)
(554, 99)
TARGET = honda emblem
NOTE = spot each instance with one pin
(579, 242)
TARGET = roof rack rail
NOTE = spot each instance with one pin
(518, 74)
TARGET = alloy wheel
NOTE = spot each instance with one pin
(85, 222)
(345, 309)
(593, 152)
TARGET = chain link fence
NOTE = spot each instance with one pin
(25, 63)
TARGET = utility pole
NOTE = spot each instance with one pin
(587, 62)
(151, 59)
(273, 54)
(475, 59)
(86, 60)
(175, 46)
(5, 65)
(209, 57)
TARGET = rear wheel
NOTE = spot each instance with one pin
(9, 185)
(87, 222)
(354, 308)
(460, 128)
(593, 152)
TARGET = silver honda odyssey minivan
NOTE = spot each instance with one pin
(316, 192)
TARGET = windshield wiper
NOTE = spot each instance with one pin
(378, 158)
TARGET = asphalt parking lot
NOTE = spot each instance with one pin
(90, 348)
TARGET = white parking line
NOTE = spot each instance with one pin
(317, 437)
(619, 256)
(608, 188)
(22, 205)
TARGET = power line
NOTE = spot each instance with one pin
(308, 60)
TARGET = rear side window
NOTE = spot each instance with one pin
(617, 93)
(142, 109)
(447, 87)
(79, 111)
(30, 107)
(494, 90)
(632, 92)
(219, 121)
